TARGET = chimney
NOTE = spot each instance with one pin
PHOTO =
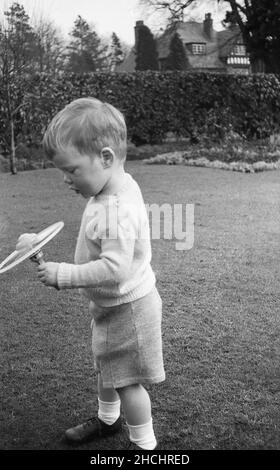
(138, 25)
(208, 25)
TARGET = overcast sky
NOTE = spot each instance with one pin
(106, 15)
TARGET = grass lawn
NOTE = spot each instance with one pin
(221, 324)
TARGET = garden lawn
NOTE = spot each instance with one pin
(221, 324)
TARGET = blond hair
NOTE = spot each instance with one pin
(88, 125)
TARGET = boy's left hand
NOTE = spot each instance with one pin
(47, 273)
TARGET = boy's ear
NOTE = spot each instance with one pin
(107, 157)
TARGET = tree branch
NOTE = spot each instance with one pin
(236, 7)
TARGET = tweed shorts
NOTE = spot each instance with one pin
(127, 342)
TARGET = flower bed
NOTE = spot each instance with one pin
(235, 158)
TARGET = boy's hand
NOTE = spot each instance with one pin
(47, 273)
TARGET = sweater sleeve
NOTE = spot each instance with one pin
(111, 268)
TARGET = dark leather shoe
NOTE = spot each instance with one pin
(136, 448)
(92, 429)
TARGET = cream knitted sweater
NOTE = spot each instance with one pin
(113, 251)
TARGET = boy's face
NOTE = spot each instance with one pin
(83, 173)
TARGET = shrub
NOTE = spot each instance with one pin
(196, 105)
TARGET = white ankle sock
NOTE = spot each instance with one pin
(108, 412)
(143, 435)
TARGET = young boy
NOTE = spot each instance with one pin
(87, 141)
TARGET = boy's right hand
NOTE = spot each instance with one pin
(26, 241)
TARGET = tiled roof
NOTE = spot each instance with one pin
(193, 32)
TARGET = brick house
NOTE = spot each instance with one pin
(207, 50)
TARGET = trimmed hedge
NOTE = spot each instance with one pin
(154, 103)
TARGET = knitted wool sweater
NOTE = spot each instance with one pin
(113, 251)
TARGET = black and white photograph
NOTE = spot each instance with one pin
(140, 231)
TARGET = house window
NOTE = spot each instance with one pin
(198, 49)
(238, 61)
(239, 50)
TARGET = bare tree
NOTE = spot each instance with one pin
(25, 50)
(175, 9)
(17, 41)
(51, 47)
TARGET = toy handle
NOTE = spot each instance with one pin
(38, 257)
